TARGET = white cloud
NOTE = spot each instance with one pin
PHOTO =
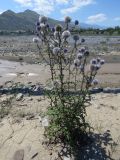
(24, 2)
(117, 19)
(48, 6)
(75, 5)
(96, 18)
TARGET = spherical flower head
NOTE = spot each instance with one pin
(76, 38)
(67, 19)
(43, 19)
(76, 22)
(86, 53)
(80, 56)
(93, 61)
(97, 67)
(82, 49)
(65, 50)
(98, 59)
(82, 40)
(58, 28)
(36, 40)
(95, 82)
(102, 62)
(66, 34)
(77, 62)
(56, 50)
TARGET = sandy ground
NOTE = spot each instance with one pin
(22, 129)
(108, 76)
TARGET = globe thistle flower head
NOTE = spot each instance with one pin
(66, 34)
(82, 40)
(75, 37)
(43, 19)
(86, 53)
(93, 61)
(36, 39)
(98, 59)
(58, 28)
(80, 56)
(67, 19)
(77, 62)
(95, 82)
(97, 67)
(65, 50)
(56, 50)
(82, 49)
(76, 22)
(102, 62)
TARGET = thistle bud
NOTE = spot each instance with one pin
(98, 59)
(82, 40)
(76, 38)
(58, 28)
(93, 61)
(43, 19)
(67, 19)
(76, 22)
(102, 62)
(95, 82)
(80, 56)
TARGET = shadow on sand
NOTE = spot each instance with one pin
(93, 147)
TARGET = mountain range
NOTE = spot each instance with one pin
(26, 20)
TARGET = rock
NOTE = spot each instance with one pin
(66, 158)
(45, 122)
(19, 96)
(19, 155)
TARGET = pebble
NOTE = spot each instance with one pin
(19, 96)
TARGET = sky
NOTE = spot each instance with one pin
(100, 12)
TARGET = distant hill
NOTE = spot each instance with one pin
(26, 20)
